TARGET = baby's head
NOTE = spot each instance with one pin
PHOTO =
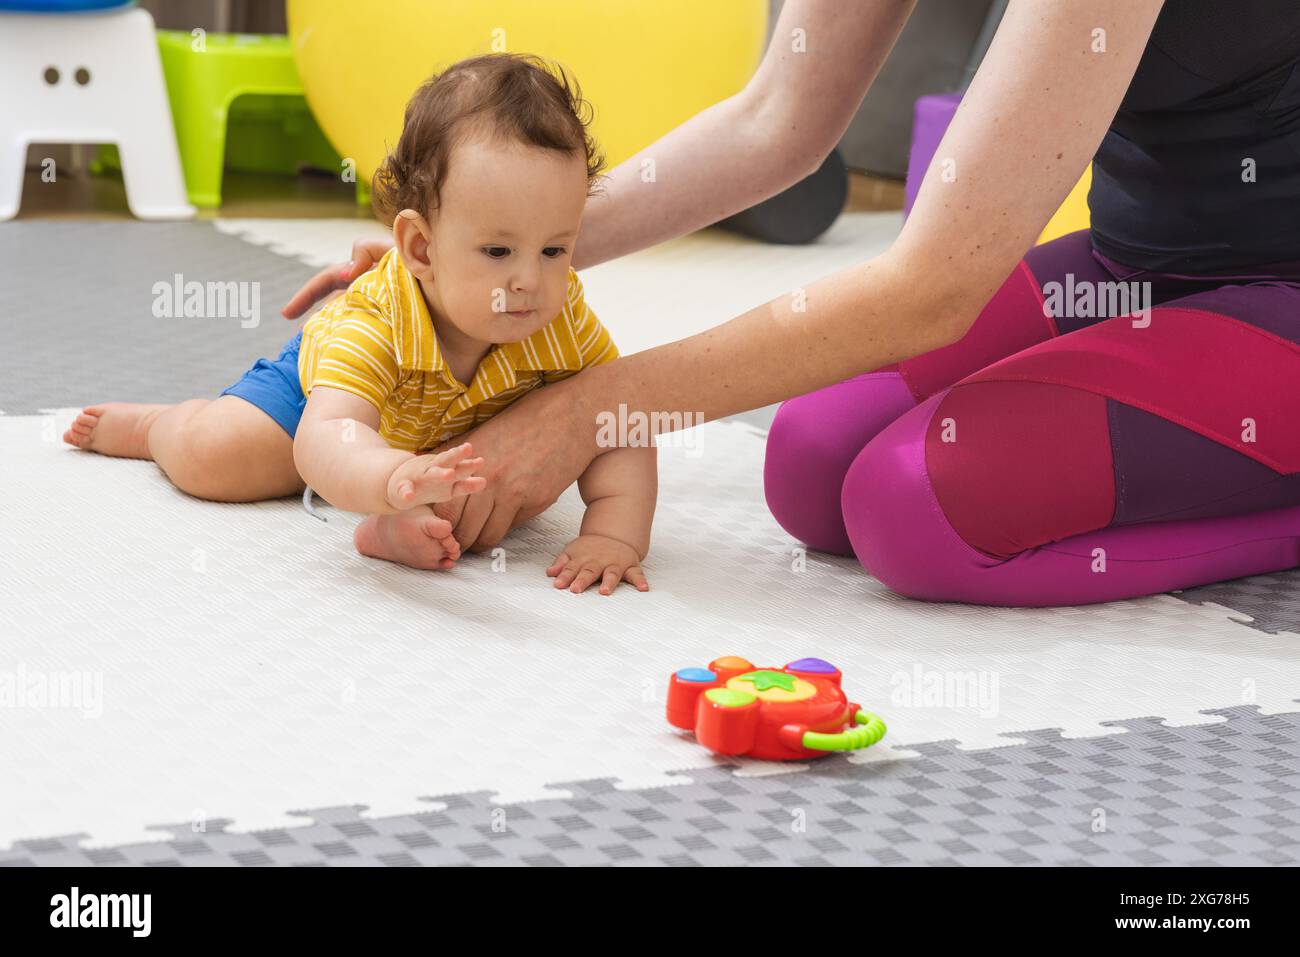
(485, 191)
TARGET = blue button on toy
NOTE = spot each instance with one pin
(697, 674)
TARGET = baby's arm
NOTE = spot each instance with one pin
(619, 488)
(339, 452)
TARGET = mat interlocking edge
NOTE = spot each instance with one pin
(1212, 795)
(91, 334)
(725, 581)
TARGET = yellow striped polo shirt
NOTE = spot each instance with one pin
(377, 341)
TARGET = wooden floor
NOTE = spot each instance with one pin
(869, 193)
(83, 195)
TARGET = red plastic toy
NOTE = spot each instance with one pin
(777, 714)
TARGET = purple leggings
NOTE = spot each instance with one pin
(1066, 450)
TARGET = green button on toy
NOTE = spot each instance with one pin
(765, 680)
(728, 698)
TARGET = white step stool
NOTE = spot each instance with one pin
(89, 78)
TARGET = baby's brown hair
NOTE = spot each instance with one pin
(520, 97)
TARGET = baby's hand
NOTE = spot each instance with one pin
(589, 558)
(435, 477)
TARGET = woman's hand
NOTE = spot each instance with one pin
(534, 449)
(365, 253)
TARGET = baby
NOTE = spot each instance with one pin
(474, 306)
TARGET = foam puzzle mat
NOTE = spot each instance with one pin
(1200, 796)
(254, 692)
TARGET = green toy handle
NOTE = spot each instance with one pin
(870, 729)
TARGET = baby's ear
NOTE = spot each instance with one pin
(411, 234)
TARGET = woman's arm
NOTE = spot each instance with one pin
(1029, 124)
(823, 57)
(1031, 121)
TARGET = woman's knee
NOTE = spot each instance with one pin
(938, 504)
(810, 445)
(893, 521)
(875, 485)
(803, 469)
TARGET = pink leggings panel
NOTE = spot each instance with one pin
(1028, 465)
(810, 446)
(902, 536)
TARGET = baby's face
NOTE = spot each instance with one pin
(503, 237)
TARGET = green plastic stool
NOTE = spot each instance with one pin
(237, 101)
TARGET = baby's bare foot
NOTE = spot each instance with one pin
(416, 537)
(114, 428)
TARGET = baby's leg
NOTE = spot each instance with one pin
(416, 537)
(223, 449)
(115, 428)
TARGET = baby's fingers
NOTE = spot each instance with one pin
(407, 490)
(614, 575)
(433, 481)
(454, 456)
(466, 467)
(468, 486)
(636, 578)
(557, 566)
(568, 575)
(609, 581)
(586, 575)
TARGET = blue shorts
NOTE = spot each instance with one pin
(274, 387)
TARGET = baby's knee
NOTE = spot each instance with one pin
(206, 461)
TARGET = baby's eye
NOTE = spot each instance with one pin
(497, 252)
(552, 252)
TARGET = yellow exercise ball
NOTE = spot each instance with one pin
(645, 65)
(1073, 214)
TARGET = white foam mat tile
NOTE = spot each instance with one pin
(316, 242)
(253, 665)
(660, 294)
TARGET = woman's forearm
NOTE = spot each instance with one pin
(823, 57)
(718, 163)
(1016, 146)
(854, 321)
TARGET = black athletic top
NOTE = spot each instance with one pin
(1219, 84)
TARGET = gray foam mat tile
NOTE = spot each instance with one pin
(78, 318)
(1272, 601)
(1195, 795)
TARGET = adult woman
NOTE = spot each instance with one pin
(964, 441)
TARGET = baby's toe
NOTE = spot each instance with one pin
(436, 528)
(81, 430)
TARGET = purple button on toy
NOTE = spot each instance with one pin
(813, 666)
